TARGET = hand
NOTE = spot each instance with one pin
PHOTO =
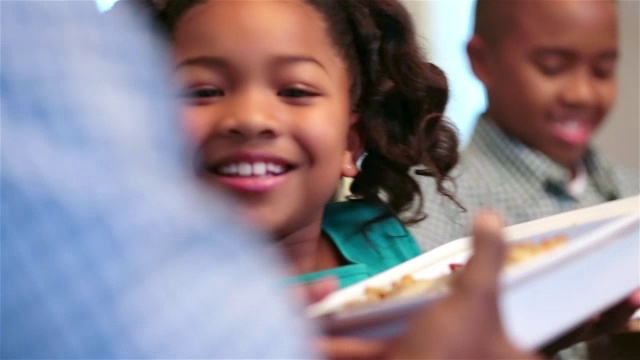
(314, 291)
(346, 348)
(466, 324)
(335, 347)
(607, 322)
(615, 318)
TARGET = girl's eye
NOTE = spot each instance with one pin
(295, 93)
(202, 93)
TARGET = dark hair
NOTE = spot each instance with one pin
(493, 19)
(400, 96)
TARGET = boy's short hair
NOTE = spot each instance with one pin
(493, 18)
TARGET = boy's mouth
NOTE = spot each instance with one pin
(573, 131)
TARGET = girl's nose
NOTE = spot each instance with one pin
(249, 117)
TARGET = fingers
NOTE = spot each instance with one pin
(608, 322)
(466, 324)
(616, 317)
(482, 270)
(336, 348)
(315, 291)
(634, 299)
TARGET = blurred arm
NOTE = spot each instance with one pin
(109, 250)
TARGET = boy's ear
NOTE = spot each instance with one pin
(355, 148)
(480, 57)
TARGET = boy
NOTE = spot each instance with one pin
(549, 68)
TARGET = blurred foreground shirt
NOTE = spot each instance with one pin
(109, 249)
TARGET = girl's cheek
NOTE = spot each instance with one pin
(194, 129)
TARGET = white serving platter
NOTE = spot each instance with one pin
(540, 299)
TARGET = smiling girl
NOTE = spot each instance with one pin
(283, 97)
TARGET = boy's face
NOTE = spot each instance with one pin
(267, 103)
(552, 80)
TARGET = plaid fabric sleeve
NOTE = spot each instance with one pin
(109, 249)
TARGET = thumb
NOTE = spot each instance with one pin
(315, 291)
(482, 270)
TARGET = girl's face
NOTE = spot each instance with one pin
(267, 102)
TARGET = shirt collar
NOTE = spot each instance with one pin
(534, 165)
(578, 184)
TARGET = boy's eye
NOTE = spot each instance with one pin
(202, 93)
(295, 93)
(603, 73)
(553, 62)
(553, 66)
(605, 70)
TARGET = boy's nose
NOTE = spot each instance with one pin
(580, 90)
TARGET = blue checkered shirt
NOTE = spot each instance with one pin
(500, 172)
(109, 248)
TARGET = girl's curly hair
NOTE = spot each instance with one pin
(399, 95)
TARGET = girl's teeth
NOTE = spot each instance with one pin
(259, 169)
(274, 168)
(255, 169)
(229, 169)
(244, 169)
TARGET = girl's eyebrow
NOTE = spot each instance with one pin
(213, 62)
(205, 61)
(292, 59)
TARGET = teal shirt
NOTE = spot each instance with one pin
(386, 244)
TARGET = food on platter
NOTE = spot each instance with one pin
(522, 251)
(408, 285)
(601, 247)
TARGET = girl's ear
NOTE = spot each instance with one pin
(355, 148)
(480, 56)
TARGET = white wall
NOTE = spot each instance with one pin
(104, 5)
(619, 138)
(445, 26)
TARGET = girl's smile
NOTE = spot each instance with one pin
(250, 172)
